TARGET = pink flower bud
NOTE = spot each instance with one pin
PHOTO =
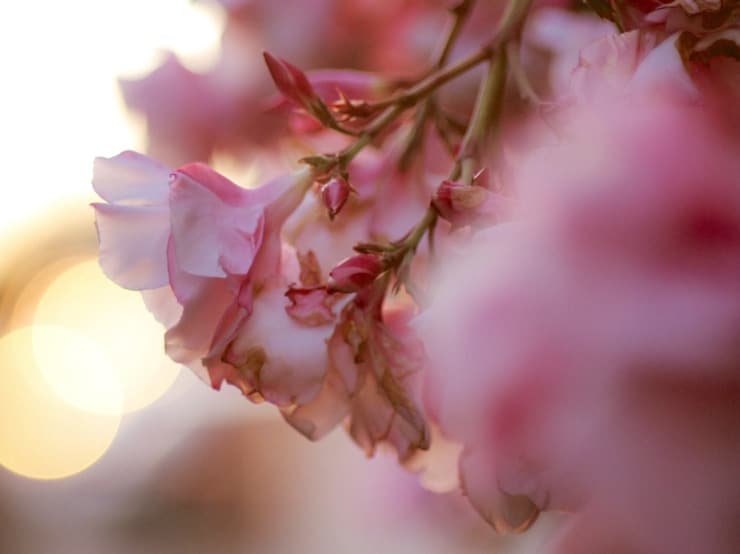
(334, 194)
(464, 205)
(294, 85)
(291, 81)
(354, 273)
(455, 201)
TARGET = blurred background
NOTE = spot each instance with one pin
(106, 446)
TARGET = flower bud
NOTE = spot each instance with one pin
(290, 80)
(354, 273)
(294, 85)
(453, 199)
(464, 205)
(334, 194)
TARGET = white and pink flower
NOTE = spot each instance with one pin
(194, 237)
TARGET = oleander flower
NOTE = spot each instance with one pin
(595, 339)
(194, 237)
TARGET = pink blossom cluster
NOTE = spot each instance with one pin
(545, 274)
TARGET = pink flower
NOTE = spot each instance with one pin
(373, 380)
(636, 62)
(197, 236)
(563, 33)
(672, 54)
(588, 353)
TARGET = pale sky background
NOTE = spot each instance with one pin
(59, 103)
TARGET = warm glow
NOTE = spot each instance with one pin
(77, 369)
(41, 435)
(84, 300)
(60, 105)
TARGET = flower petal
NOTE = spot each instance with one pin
(133, 244)
(216, 230)
(506, 513)
(292, 357)
(191, 339)
(131, 178)
(163, 305)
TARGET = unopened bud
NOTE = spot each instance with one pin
(294, 85)
(290, 80)
(452, 198)
(334, 194)
(354, 273)
(464, 205)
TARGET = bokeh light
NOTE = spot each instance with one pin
(61, 105)
(41, 435)
(83, 299)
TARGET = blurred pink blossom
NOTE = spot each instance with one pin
(609, 308)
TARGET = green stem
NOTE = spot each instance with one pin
(397, 104)
(512, 21)
(461, 13)
(486, 111)
(487, 107)
(485, 116)
(367, 136)
(417, 233)
(410, 97)
(415, 137)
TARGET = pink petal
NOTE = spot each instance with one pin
(190, 340)
(382, 412)
(664, 70)
(506, 513)
(310, 307)
(281, 197)
(131, 178)
(216, 231)
(133, 244)
(386, 408)
(163, 305)
(321, 414)
(293, 358)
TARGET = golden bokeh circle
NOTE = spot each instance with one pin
(41, 435)
(82, 298)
